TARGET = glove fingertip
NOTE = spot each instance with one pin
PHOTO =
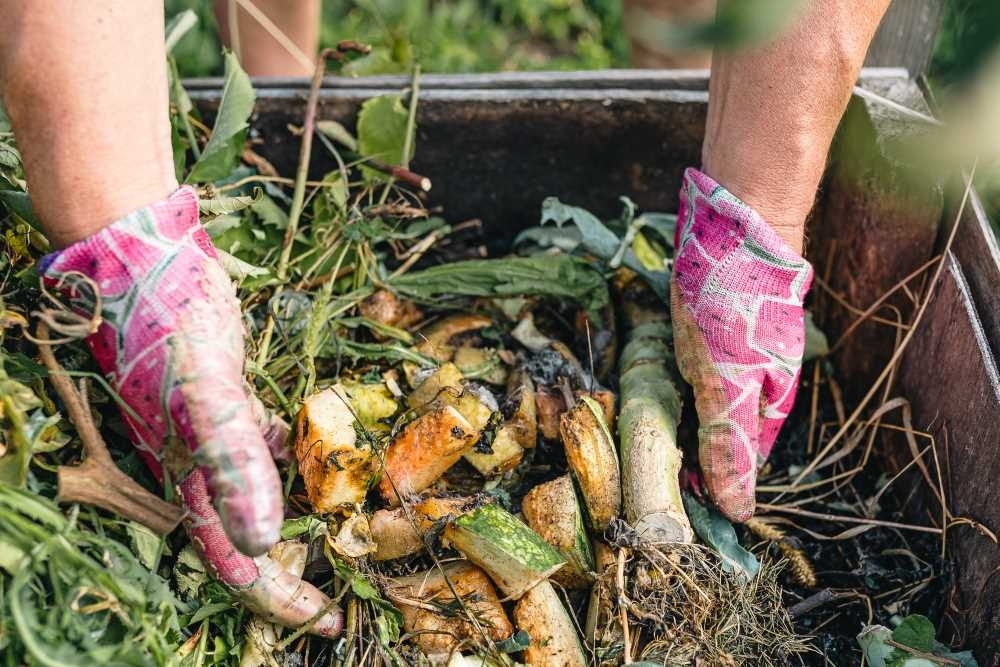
(330, 624)
(734, 497)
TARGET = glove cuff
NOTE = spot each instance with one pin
(720, 223)
(130, 249)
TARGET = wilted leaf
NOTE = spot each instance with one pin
(338, 133)
(816, 343)
(596, 238)
(226, 205)
(189, 573)
(382, 131)
(229, 132)
(915, 631)
(354, 539)
(557, 276)
(145, 543)
(304, 525)
(647, 254)
(239, 270)
(716, 531)
(519, 641)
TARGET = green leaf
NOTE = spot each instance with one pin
(663, 224)
(227, 205)
(189, 573)
(20, 205)
(239, 270)
(717, 532)
(549, 275)
(594, 234)
(12, 558)
(145, 543)
(872, 642)
(816, 342)
(597, 239)
(382, 131)
(309, 525)
(223, 149)
(519, 641)
(360, 586)
(339, 133)
(915, 631)
(208, 610)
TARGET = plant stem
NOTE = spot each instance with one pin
(411, 127)
(298, 196)
(98, 481)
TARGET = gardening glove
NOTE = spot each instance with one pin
(736, 300)
(169, 337)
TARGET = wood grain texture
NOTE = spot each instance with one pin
(977, 251)
(905, 38)
(951, 378)
(877, 220)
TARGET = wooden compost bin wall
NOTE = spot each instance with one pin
(496, 145)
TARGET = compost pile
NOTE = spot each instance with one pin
(484, 465)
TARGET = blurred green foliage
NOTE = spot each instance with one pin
(969, 33)
(446, 35)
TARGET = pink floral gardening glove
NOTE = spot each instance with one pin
(736, 300)
(170, 341)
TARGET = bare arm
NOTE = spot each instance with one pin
(86, 89)
(773, 110)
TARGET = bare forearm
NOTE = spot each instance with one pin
(86, 90)
(773, 109)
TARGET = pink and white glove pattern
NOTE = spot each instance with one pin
(171, 342)
(736, 300)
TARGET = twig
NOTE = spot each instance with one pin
(848, 519)
(898, 353)
(920, 654)
(98, 481)
(817, 599)
(622, 609)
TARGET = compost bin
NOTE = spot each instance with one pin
(496, 145)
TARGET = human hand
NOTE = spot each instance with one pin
(736, 300)
(170, 340)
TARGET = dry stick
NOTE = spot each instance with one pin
(936, 659)
(868, 312)
(98, 481)
(848, 519)
(898, 353)
(298, 195)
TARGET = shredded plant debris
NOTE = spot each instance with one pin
(455, 480)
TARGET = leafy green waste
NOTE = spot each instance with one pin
(555, 276)
(382, 131)
(717, 532)
(911, 644)
(230, 129)
(599, 240)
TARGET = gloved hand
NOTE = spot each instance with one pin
(739, 329)
(170, 341)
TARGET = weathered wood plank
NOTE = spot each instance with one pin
(905, 38)
(977, 251)
(877, 220)
(949, 375)
(495, 155)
